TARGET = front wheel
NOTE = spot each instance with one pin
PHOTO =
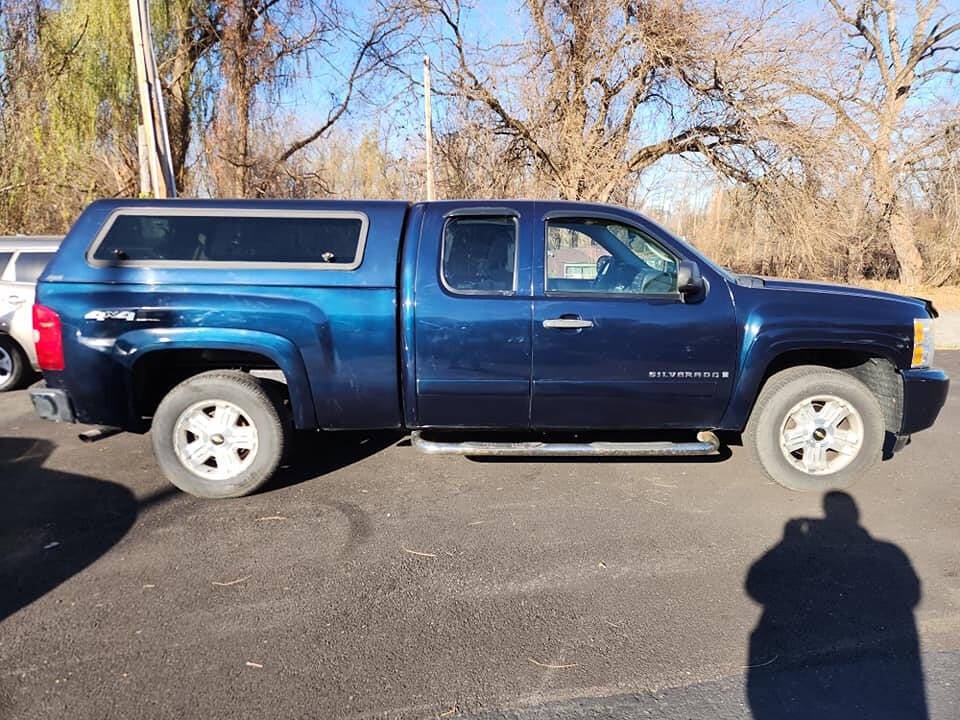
(814, 428)
(220, 434)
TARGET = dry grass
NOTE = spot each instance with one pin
(946, 298)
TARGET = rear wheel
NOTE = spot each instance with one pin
(13, 364)
(220, 434)
(814, 428)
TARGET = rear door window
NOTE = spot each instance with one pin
(479, 255)
(4, 259)
(333, 240)
(29, 265)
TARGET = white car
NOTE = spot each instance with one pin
(22, 259)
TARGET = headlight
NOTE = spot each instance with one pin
(923, 342)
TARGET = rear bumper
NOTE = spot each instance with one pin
(924, 393)
(51, 403)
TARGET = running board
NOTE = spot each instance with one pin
(706, 444)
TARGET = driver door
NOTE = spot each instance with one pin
(614, 344)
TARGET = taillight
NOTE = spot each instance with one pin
(48, 338)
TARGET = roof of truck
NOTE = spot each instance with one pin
(242, 202)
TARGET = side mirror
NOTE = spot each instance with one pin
(689, 280)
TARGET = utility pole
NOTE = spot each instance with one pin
(428, 117)
(153, 141)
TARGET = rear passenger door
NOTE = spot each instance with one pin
(473, 315)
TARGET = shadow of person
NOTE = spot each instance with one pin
(53, 524)
(837, 638)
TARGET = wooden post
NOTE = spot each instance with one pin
(428, 118)
(155, 165)
(162, 153)
(148, 168)
(143, 155)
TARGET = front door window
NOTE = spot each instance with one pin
(587, 255)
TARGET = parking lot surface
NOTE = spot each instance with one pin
(371, 581)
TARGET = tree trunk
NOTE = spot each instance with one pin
(238, 71)
(178, 112)
(894, 226)
(904, 246)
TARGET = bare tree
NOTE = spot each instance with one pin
(195, 31)
(476, 162)
(870, 70)
(602, 90)
(264, 46)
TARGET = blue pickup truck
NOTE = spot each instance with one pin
(529, 328)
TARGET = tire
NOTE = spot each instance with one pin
(13, 364)
(797, 407)
(235, 449)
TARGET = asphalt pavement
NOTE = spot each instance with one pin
(370, 581)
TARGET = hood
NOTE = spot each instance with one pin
(754, 281)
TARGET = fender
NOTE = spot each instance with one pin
(136, 344)
(762, 344)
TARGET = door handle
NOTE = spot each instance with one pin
(564, 323)
(15, 300)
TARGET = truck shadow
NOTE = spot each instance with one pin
(315, 454)
(837, 637)
(53, 524)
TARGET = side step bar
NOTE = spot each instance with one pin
(707, 443)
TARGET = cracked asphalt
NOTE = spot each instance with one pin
(373, 582)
